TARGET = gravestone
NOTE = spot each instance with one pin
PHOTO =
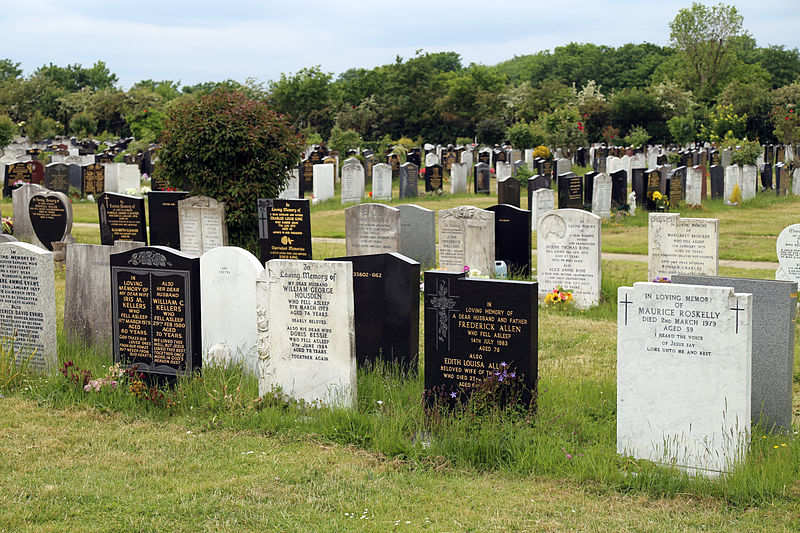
(155, 304)
(675, 186)
(75, 177)
(725, 157)
(381, 182)
(466, 238)
(694, 186)
(570, 191)
(619, 188)
(638, 183)
(683, 375)
(733, 177)
(563, 165)
(17, 173)
(284, 229)
(87, 300)
(372, 229)
(50, 214)
(482, 182)
(56, 177)
(353, 181)
(477, 329)
(21, 199)
(408, 180)
(28, 305)
(121, 218)
(774, 309)
(292, 190)
(512, 238)
(717, 181)
(94, 180)
(434, 176)
(228, 307)
(159, 183)
(162, 210)
(386, 301)
(508, 191)
(458, 178)
(431, 159)
(653, 180)
(749, 181)
(766, 176)
(782, 179)
(418, 234)
(602, 191)
(305, 331)
(306, 172)
(503, 170)
(201, 223)
(323, 181)
(568, 255)
(541, 201)
(682, 246)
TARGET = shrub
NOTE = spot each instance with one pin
(524, 135)
(682, 129)
(637, 137)
(146, 125)
(723, 122)
(7, 130)
(744, 152)
(231, 148)
(83, 124)
(465, 141)
(541, 151)
(343, 140)
(40, 127)
(490, 131)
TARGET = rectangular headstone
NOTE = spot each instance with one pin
(570, 191)
(284, 229)
(512, 238)
(601, 195)
(541, 201)
(121, 218)
(381, 182)
(774, 310)
(202, 226)
(418, 234)
(323, 181)
(408, 178)
(353, 181)
(694, 186)
(683, 375)
(372, 229)
(162, 207)
(56, 177)
(305, 331)
(482, 181)
(568, 255)
(434, 178)
(508, 191)
(466, 238)
(475, 330)
(386, 298)
(28, 305)
(458, 178)
(682, 246)
(749, 181)
(155, 304)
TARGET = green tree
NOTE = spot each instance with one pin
(525, 135)
(563, 129)
(232, 148)
(302, 96)
(7, 130)
(682, 130)
(9, 70)
(786, 113)
(705, 36)
(75, 77)
(343, 140)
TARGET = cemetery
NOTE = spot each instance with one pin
(417, 323)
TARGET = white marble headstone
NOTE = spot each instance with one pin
(684, 375)
(749, 181)
(568, 255)
(323, 181)
(201, 224)
(542, 202)
(431, 159)
(601, 195)
(732, 178)
(372, 228)
(503, 170)
(381, 182)
(682, 246)
(694, 186)
(466, 238)
(292, 189)
(353, 179)
(458, 178)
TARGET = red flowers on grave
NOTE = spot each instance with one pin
(492, 170)
(369, 194)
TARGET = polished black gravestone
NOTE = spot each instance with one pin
(570, 191)
(94, 179)
(408, 178)
(539, 182)
(75, 176)
(676, 185)
(638, 183)
(121, 218)
(619, 188)
(56, 177)
(508, 191)
(482, 181)
(386, 303)
(512, 238)
(477, 329)
(15, 173)
(652, 177)
(159, 183)
(434, 177)
(766, 176)
(305, 174)
(162, 210)
(588, 187)
(782, 179)
(284, 229)
(50, 217)
(717, 181)
(155, 306)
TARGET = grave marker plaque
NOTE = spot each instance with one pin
(418, 234)
(51, 217)
(162, 207)
(434, 177)
(201, 222)
(372, 229)
(121, 218)
(284, 229)
(512, 238)
(570, 191)
(482, 184)
(408, 180)
(94, 179)
(56, 177)
(155, 301)
(17, 172)
(466, 238)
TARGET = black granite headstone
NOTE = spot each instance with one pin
(653, 180)
(512, 238)
(570, 191)
(476, 330)
(16, 173)
(56, 177)
(408, 178)
(284, 229)
(588, 187)
(508, 191)
(434, 176)
(386, 302)
(539, 182)
(94, 179)
(482, 182)
(639, 184)
(155, 305)
(75, 177)
(782, 179)
(766, 176)
(48, 216)
(121, 218)
(619, 188)
(717, 181)
(676, 185)
(162, 210)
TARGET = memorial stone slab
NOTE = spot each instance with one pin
(733, 178)
(458, 178)
(588, 186)
(431, 159)
(386, 301)
(774, 310)
(17, 173)
(434, 178)
(28, 305)
(371, 229)
(466, 238)
(542, 201)
(783, 177)
(228, 308)
(202, 225)
(570, 191)
(749, 181)
(601, 195)
(323, 181)
(94, 180)
(306, 325)
(21, 199)
(684, 375)
(162, 208)
(619, 188)
(482, 183)
(682, 246)
(284, 229)
(512, 237)
(476, 329)
(56, 177)
(353, 181)
(155, 304)
(292, 191)
(508, 191)
(568, 255)
(87, 300)
(694, 186)
(796, 182)
(121, 218)
(503, 170)
(766, 176)
(381, 182)
(50, 214)
(717, 174)
(408, 180)
(418, 234)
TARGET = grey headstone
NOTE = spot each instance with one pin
(21, 197)
(371, 228)
(418, 234)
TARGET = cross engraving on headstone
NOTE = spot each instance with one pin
(627, 302)
(442, 302)
(737, 309)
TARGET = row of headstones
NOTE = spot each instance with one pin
(89, 179)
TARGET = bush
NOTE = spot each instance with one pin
(723, 122)
(541, 151)
(7, 130)
(231, 148)
(744, 152)
(637, 137)
(343, 140)
(83, 124)
(40, 127)
(465, 141)
(490, 131)
(146, 125)
(682, 130)
(525, 135)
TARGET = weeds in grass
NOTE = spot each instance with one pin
(13, 365)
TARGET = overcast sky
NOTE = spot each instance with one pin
(195, 41)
